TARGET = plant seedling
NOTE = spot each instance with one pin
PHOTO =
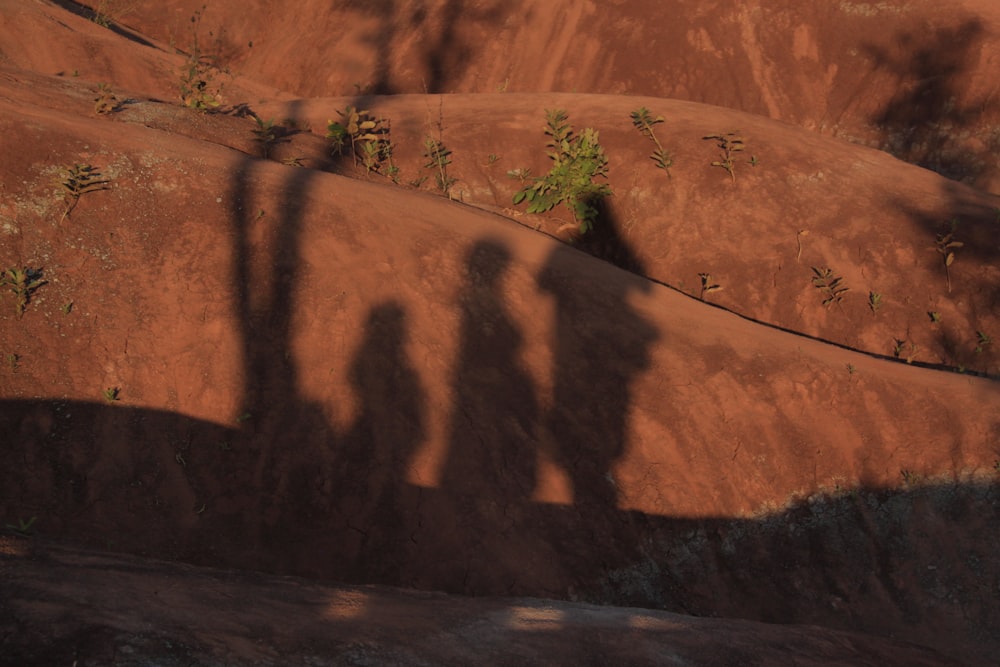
(368, 137)
(77, 181)
(946, 246)
(23, 527)
(851, 369)
(935, 316)
(196, 74)
(830, 284)
(983, 341)
(644, 122)
(105, 102)
(707, 286)
(266, 133)
(23, 283)
(729, 144)
(111, 394)
(577, 161)
(874, 301)
(899, 345)
(12, 360)
(438, 158)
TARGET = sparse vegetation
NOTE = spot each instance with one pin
(105, 102)
(983, 341)
(830, 284)
(438, 158)
(13, 359)
(729, 144)
(577, 161)
(874, 302)
(368, 137)
(934, 316)
(266, 134)
(23, 283)
(644, 122)
(77, 181)
(946, 246)
(111, 394)
(198, 74)
(707, 286)
(23, 527)
(900, 346)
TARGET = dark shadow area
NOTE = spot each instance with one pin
(91, 15)
(931, 108)
(918, 564)
(444, 53)
(494, 421)
(973, 220)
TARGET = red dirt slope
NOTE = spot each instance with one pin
(271, 361)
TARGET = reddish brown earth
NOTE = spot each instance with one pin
(326, 375)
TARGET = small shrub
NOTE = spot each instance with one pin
(946, 245)
(729, 144)
(577, 161)
(644, 122)
(438, 159)
(105, 102)
(23, 283)
(77, 181)
(830, 284)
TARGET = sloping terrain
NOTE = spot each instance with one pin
(248, 351)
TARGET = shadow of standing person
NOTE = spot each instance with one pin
(600, 345)
(489, 475)
(378, 448)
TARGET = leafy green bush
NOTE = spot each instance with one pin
(578, 159)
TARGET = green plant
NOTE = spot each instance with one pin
(851, 369)
(644, 122)
(753, 161)
(197, 74)
(66, 308)
(23, 527)
(909, 477)
(707, 286)
(874, 301)
(438, 158)
(983, 341)
(23, 283)
(105, 102)
(934, 315)
(266, 133)
(111, 394)
(368, 137)
(492, 159)
(577, 161)
(77, 181)
(12, 360)
(830, 284)
(729, 144)
(946, 246)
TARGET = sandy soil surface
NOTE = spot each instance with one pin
(244, 365)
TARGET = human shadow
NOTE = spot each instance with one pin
(375, 453)
(493, 425)
(598, 354)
